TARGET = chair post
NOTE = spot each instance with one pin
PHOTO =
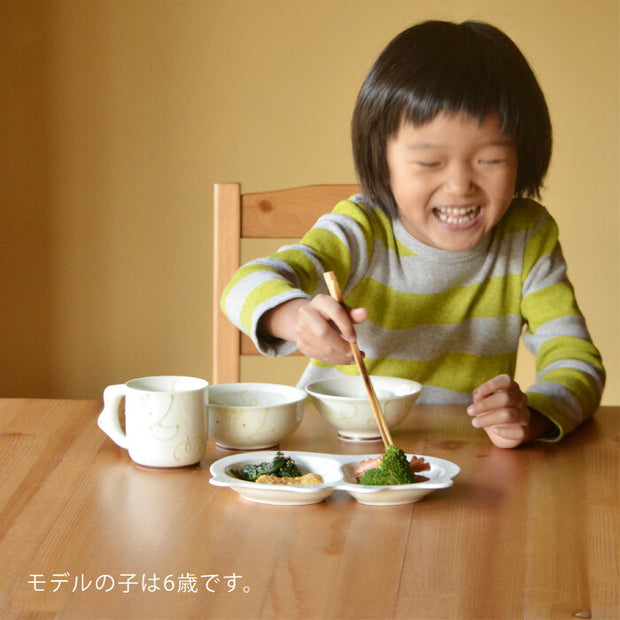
(226, 260)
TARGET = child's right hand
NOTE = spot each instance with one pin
(322, 328)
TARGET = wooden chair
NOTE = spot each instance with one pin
(281, 214)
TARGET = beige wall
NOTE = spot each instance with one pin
(117, 116)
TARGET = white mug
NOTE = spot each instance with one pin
(165, 419)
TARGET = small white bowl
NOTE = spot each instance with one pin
(253, 416)
(279, 494)
(344, 403)
(438, 477)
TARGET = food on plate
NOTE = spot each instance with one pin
(281, 466)
(391, 468)
(305, 479)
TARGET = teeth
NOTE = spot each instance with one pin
(457, 215)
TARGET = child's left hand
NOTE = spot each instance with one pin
(500, 408)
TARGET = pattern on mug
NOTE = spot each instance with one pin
(155, 413)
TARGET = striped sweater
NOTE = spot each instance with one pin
(449, 320)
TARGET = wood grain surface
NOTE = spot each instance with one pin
(526, 533)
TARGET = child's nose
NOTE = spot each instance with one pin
(460, 179)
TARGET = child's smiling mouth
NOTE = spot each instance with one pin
(457, 216)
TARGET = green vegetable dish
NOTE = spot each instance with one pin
(282, 466)
(391, 468)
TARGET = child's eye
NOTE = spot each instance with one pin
(428, 164)
(490, 162)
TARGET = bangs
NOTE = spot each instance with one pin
(460, 79)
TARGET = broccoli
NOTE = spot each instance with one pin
(281, 466)
(394, 469)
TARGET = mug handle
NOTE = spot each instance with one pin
(108, 419)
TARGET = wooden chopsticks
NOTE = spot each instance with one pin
(335, 292)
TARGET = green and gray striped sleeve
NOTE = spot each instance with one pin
(570, 374)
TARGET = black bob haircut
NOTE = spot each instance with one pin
(471, 69)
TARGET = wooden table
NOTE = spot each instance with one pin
(526, 533)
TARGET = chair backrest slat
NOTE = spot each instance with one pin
(288, 213)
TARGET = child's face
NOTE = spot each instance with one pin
(453, 179)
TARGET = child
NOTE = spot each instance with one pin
(445, 258)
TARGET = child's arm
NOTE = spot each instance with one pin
(322, 328)
(340, 241)
(500, 407)
(569, 371)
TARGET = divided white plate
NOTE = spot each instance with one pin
(337, 472)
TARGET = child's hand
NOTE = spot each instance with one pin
(500, 407)
(322, 328)
(325, 329)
